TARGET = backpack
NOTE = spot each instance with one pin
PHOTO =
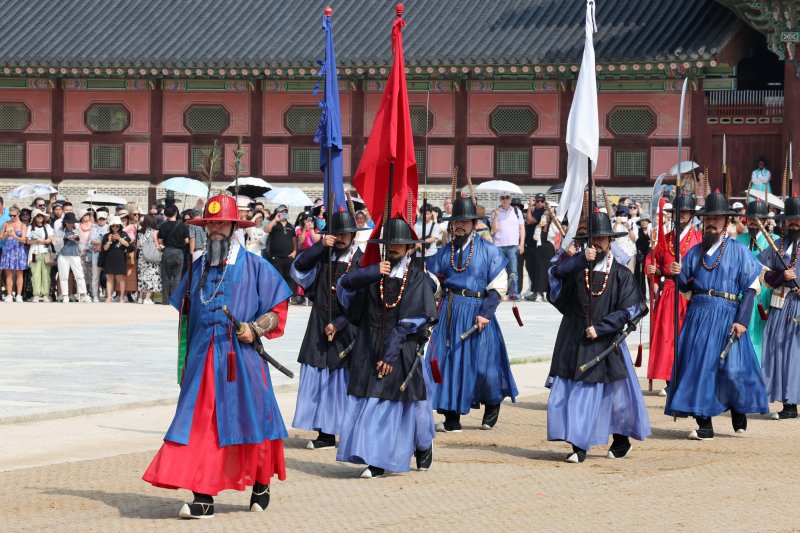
(150, 251)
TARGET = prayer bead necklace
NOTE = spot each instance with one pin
(349, 264)
(684, 243)
(402, 287)
(796, 252)
(719, 256)
(469, 256)
(605, 279)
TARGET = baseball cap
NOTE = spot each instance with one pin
(737, 205)
(102, 214)
(281, 208)
(539, 196)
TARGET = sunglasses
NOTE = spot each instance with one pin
(12, 216)
(505, 197)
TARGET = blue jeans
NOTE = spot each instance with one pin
(510, 253)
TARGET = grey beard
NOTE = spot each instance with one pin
(217, 251)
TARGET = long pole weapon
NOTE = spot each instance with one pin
(677, 240)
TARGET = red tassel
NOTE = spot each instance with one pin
(231, 366)
(638, 363)
(516, 315)
(436, 372)
(762, 311)
(231, 356)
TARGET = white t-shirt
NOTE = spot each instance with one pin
(432, 230)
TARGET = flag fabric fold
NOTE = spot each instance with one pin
(583, 133)
(391, 142)
(329, 131)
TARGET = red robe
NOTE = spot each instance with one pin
(662, 340)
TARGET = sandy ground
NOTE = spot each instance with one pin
(510, 478)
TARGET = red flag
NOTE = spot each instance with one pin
(391, 141)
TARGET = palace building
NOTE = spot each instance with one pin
(127, 94)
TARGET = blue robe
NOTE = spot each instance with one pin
(755, 329)
(703, 384)
(475, 370)
(246, 409)
(782, 339)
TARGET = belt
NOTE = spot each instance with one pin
(719, 294)
(467, 293)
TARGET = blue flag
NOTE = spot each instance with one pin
(329, 133)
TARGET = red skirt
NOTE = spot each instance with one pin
(662, 334)
(202, 465)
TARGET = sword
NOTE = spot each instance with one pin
(344, 353)
(256, 344)
(417, 359)
(469, 332)
(728, 346)
(615, 344)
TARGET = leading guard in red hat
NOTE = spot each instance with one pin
(227, 432)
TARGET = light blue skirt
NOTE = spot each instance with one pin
(321, 399)
(585, 414)
(782, 352)
(385, 433)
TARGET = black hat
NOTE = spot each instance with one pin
(757, 209)
(399, 231)
(688, 202)
(791, 209)
(539, 196)
(601, 227)
(69, 218)
(463, 209)
(716, 205)
(343, 222)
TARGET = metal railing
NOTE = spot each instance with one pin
(744, 103)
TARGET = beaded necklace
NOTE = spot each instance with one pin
(796, 252)
(605, 279)
(402, 287)
(469, 256)
(684, 243)
(205, 301)
(719, 256)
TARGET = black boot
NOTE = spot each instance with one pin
(323, 441)
(620, 447)
(451, 424)
(259, 499)
(372, 472)
(704, 431)
(490, 416)
(424, 458)
(201, 507)
(578, 455)
(789, 411)
(739, 421)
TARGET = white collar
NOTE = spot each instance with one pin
(716, 245)
(600, 266)
(685, 231)
(345, 258)
(399, 270)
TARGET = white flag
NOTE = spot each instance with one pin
(583, 133)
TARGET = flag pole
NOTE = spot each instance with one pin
(328, 225)
(589, 236)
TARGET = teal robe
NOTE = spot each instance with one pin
(756, 327)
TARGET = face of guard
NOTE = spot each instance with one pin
(462, 228)
(686, 217)
(601, 244)
(397, 252)
(343, 241)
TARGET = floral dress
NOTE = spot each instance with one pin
(15, 257)
(149, 273)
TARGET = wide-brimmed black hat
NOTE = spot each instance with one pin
(399, 232)
(757, 209)
(716, 205)
(463, 209)
(601, 227)
(343, 222)
(685, 202)
(791, 209)
(69, 218)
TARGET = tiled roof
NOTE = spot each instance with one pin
(288, 33)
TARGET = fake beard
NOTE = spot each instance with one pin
(754, 232)
(793, 236)
(217, 249)
(709, 240)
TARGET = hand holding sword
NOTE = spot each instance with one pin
(480, 323)
(255, 343)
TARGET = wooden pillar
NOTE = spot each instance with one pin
(358, 108)
(461, 128)
(564, 105)
(256, 130)
(699, 132)
(57, 122)
(791, 118)
(156, 142)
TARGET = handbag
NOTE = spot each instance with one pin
(149, 250)
(50, 255)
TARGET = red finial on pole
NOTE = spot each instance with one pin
(328, 12)
(398, 9)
